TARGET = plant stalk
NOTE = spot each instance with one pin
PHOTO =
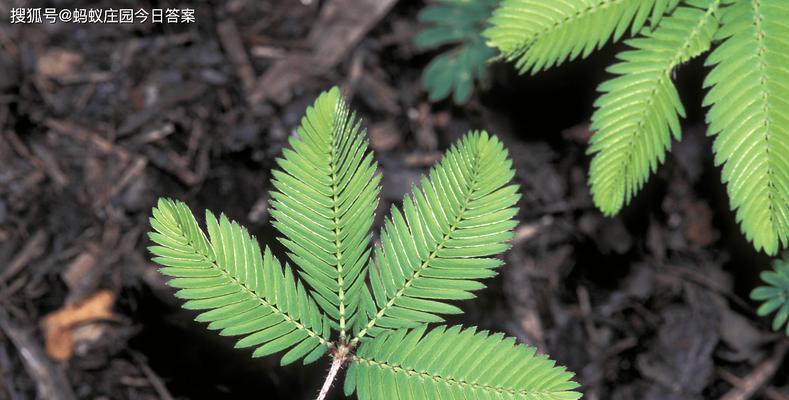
(336, 365)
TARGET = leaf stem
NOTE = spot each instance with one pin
(335, 187)
(336, 365)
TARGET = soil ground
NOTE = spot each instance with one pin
(99, 120)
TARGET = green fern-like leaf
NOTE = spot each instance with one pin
(639, 111)
(540, 34)
(245, 293)
(327, 192)
(409, 364)
(440, 245)
(749, 94)
(458, 23)
(775, 295)
(436, 249)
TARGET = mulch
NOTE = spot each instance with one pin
(98, 121)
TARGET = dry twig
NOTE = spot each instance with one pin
(747, 387)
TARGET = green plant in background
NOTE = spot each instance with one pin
(367, 306)
(639, 109)
(458, 23)
(775, 296)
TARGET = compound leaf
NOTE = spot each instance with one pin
(749, 117)
(242, 292)
(639, 111)
(458, 23)
(539, 34)
(775, 294)
(326, 194)
(454, 363)
(441, 243)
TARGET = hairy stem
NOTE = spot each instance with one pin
(336, 365)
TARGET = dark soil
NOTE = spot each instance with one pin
(98, 121)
